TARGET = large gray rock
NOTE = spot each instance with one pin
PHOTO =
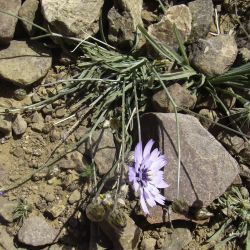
(163, 31)
(215, 55)
(30, 11)
(7, 22)
(207, 169)
(35, 231)
(24, 63)
(202, 17)
(123, 21)
(78, 18)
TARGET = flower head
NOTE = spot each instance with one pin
(146, 175)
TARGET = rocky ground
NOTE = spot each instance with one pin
(46, 169)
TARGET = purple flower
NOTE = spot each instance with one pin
(146, 175)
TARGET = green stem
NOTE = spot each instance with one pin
(177, 131)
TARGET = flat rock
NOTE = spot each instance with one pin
(78, 18)
(8, 23)
(202, 16)
(181, 96)
(123, 19)
(215, 55)
(163, 31)
(30, 11)
(207, 169)
(35, 231)
(24, 63)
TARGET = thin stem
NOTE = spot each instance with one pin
(137, 113)
(25, 20)
(177, 131)
(90, 142)
(122, 146)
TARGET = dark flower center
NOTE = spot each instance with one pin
(142, 176)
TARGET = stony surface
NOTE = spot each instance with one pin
(202, 17)
(207, 55)
(123, 21)
(37, 122)
(74, 197)
(245, 154)
(8, 23)
(78, 18)
(5, 126)
(30, 11)
(19, 125)
(35, 231)
(103, 150)
(148, 244)
(244, 54)
(208, 114)
(163, 31)
(179, 238)
(6, 210)
(181, 96)
(24, 63)
(56, 210)
(6, 241)
(74, 160)
(232, 142)
(122, 238)
(158, 215)
(207, 169)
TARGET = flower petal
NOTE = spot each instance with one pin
(160, 199)
(136, 186)
(138, 153)
(154, 154)
(158, 164)
(149, 198)
(143, 204)
(131, 174)
(162, 184)
(148, 148)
